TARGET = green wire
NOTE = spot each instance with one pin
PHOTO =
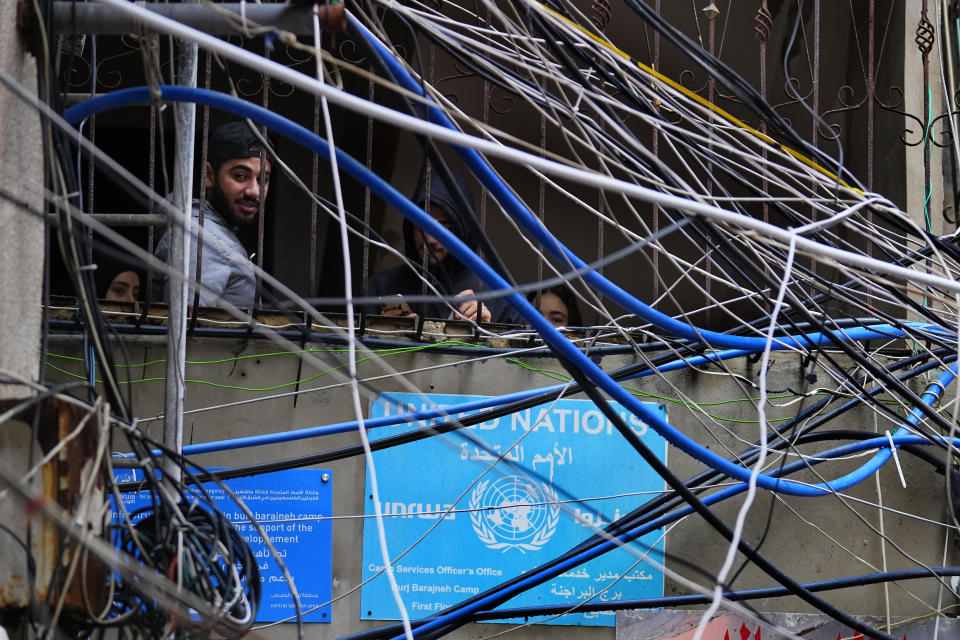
(555, 375)
(380, 353)
(383, 353)
(927, 190)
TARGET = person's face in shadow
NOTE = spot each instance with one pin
(436, 252)
(553, 309)
(125, 287)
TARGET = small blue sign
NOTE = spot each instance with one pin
(493, 521)
(289, 506)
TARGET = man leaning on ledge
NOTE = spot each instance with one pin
(234, 192)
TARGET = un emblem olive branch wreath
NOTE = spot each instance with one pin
(488, 536)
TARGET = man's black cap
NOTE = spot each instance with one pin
(232, 140)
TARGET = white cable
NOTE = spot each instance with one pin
(794, 243)
(946, 546)
(883, 542)
(352, 345)
(303, 82)
(761, 457)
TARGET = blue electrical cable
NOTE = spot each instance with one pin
(564, 347)
(523, 216)
(428, 414)
(478, 405)
(598, 376)
(425, 414)
(467, 257)
(536, 578)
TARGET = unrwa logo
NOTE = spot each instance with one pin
(514, 513)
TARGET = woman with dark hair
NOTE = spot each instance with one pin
(558, 305)
(125, 287)
(116, 280)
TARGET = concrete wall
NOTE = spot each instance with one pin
(21, 263)
(811, 539)
(21, 243)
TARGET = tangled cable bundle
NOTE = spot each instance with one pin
(196, 547)
(788, 249)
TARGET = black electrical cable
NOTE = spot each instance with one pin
(717, 159)
(649, 160)
(546, 102)
(711, 519)
(562, 279)
(476, 418)
(182, 534)
(870, 434)
(387, 631)
(735, 83)
(734, 596)
(456, 53)
(67, 327)
(659, 506)
(666, 502)
(894, 291)
(572, 68)
(826, 436)
(69, 238)
(871, 367)
(739, 260)
(943, 244)
(615, 76)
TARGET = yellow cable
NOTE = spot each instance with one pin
(701, 101)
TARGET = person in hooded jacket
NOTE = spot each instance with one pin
(444, 271)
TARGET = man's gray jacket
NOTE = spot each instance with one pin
(225, 268)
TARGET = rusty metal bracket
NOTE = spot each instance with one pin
(61, 480)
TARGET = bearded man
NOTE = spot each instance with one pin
(235, 187)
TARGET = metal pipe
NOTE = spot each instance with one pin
(123, 219)
(151, 184)
(175, 386)
(225, 18)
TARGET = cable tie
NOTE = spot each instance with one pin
(66, 197)
(943, 391)
(896, 458)
(576, 105)
(270, 39)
